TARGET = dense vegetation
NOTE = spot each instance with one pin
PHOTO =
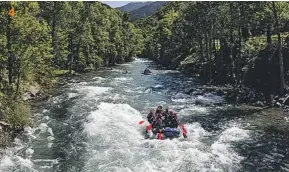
(44, 39)
(237, 43)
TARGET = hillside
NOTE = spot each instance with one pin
(133, 6)
(147, 10)
(221, 43)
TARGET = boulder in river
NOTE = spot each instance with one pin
(32, 92)
(147, 71)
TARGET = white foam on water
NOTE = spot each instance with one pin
(13, 162)
(115, 70)
(45, 110)
(29, 152)
(168, 71)
(192, 109)
(149, 90)
(92, 91)
(6, 163)
(182, 98)
(222, 148)
(71, 95)
(99, 79)
(114, 97)
(210, 98)
(117, 144)
(19, 157)
(56, 99)
(158, 86)
(123, 79)
(46, 117)
(82, 83)
(138, 60)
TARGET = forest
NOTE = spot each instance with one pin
(243, 44)
(236, 43)
(46, 39)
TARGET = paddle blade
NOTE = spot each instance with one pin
(149, 127)
(184, 129)
(141, 122)
(160, 137)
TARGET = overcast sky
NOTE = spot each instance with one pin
(115, 4)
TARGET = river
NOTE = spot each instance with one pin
(91, 124)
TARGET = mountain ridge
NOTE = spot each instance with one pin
(139, 10)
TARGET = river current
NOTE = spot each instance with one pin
(91, 124)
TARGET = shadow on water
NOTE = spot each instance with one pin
(268, 150)
(215, 120)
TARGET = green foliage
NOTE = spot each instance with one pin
(219, 41)
(48, 39)
(16, 113)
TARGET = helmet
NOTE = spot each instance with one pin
(167, 109)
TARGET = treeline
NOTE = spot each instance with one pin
(44, 39)
(240, 43)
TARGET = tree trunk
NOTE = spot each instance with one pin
(18, 76)
(282, 82)
(268, 34)
(71, 55)
(10, 53)
(53, 28)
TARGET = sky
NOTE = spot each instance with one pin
(115, 4)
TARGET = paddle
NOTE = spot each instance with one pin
(141, 122)
(184, 130)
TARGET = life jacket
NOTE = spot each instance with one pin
(150, 117)
(157, 123)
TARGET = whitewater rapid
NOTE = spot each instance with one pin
(91, 124)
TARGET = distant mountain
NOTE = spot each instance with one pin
(139, 10)
(147, 10)
(133, 6)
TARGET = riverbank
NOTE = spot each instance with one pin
(68, 134)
